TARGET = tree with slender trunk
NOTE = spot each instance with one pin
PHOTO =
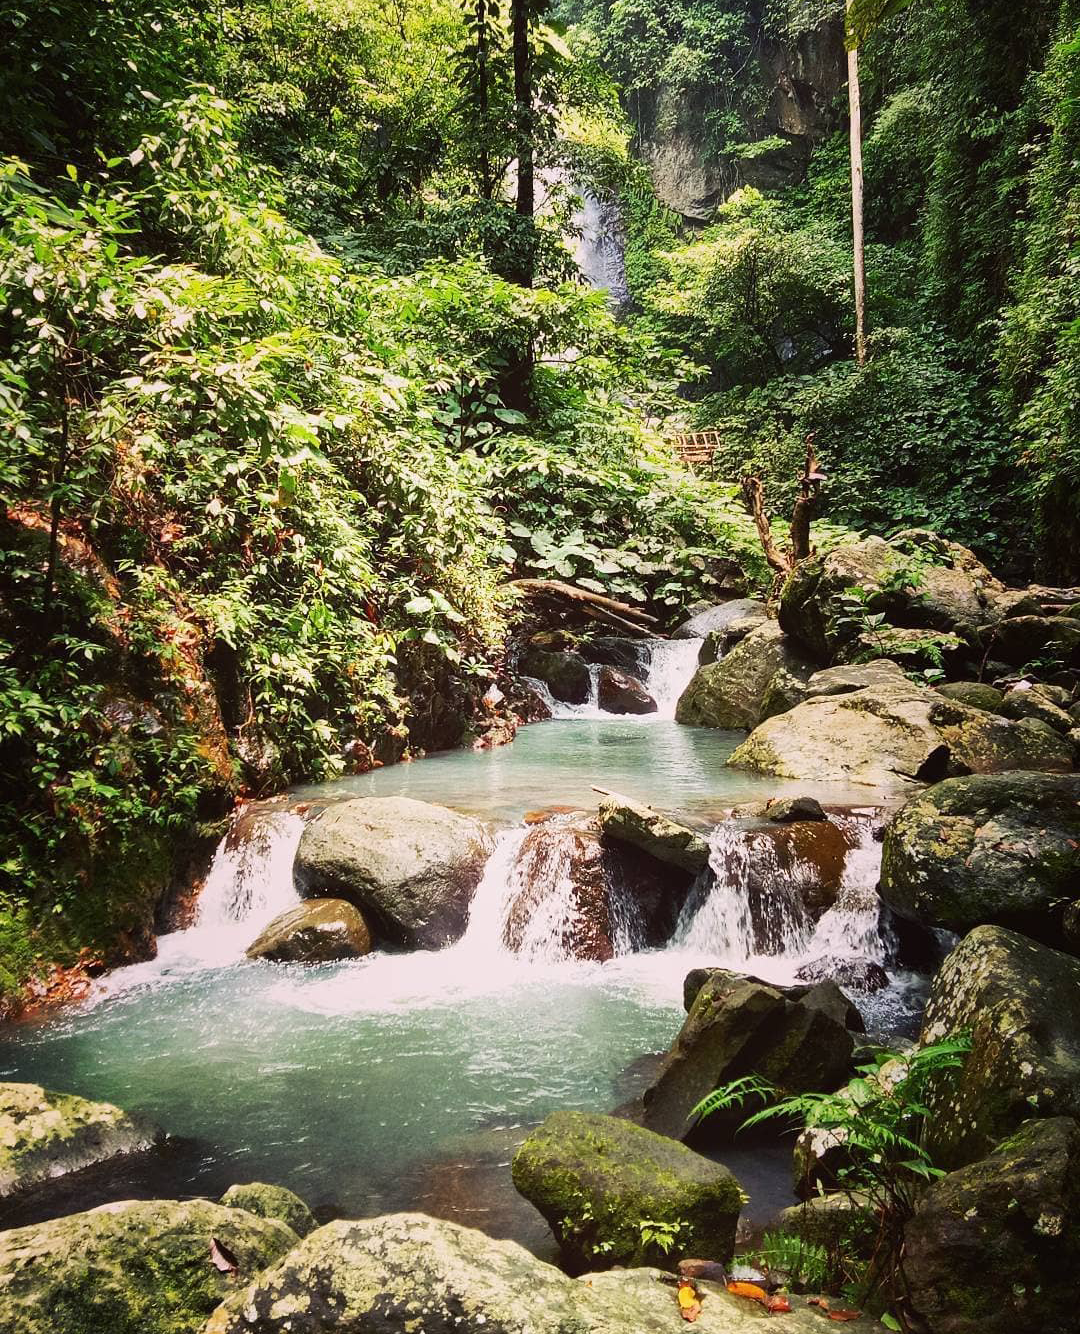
(855, 117)
(862, 17)
(522, 13)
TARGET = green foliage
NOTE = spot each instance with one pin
(804, 1263)
(876, 1121)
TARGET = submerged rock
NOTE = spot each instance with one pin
(618, 692)
(136, 1267)
(739, 1027)
(994, 1248)
(1020, 1001)
(730, 693)
(396, 1273)
(565, 674)
(886, 734)
(410, 867)
(861, 976)
(45, 1135)
(595, 1178)
(318, 931)
(267, 1201)
(997, 848)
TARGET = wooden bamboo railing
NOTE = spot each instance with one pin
(696, 447)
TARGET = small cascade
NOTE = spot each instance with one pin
(250, 879)
(747, 907)
(547, 896)
(667, 666)
(672, 664)
(249, 882)
(747, 913)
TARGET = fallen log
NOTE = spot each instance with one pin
(620, 615)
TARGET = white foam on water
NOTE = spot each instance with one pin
(667, 668)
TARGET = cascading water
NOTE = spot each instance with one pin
(249, 882)
(748, 914)
(665, 668)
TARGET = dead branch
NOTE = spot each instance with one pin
(619, 615)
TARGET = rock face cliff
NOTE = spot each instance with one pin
(794, 85)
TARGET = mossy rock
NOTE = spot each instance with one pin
(409, 1274)
(45, 1135)
(975, 694)
(739, 1026)
(730, 693)
(994, 1248)
(990, 848)
(599, 1181)
(267, 1201)
(135, 1267)
(1020, 1001)
(319, 931)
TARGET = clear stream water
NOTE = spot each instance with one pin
(405, 1080)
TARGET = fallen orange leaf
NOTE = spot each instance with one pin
(750, 1291)
(689, 1303)
(778, 1305)
(844, 1315)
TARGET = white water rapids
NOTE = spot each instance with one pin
(667, 666)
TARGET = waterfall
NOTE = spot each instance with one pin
(747, 913)
(750, 906)
(665, 671)
(249, 882)
(600, 246)
(672, 664)
(251, 877)
(548, 895)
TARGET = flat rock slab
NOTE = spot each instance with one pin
(45, 1135)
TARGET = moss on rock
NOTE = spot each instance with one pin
(609, 1189)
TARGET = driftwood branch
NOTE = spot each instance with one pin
(754, 495)
(784, 560)
(620, 615)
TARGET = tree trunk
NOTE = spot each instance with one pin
(855, 109)
(487, 183)
(523, 121)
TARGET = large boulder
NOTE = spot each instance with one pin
(917, 581)
(403, 1272)
(710, 619)
(565, 673)
(628, 823)
(1020, 1001)
(595, 1178)
(786, 689)
(618, 692)
(738, 1026)
(267, 1201)
(410, 867)
(1023, 639)
(45, 1134)
(577, 896)
(135, 1267)
(989, 848)
(730, 693)
(994, 1248)
(893, 733)
(318, 931)
(1036, 701)
(628, 655)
